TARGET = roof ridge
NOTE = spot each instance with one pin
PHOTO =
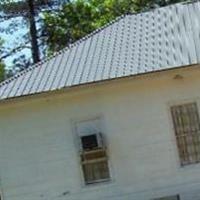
(32, 67)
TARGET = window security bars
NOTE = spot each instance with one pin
(187, 130)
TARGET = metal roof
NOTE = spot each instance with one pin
(133, 44)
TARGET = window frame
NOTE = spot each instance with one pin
(172, 129)
(76, 139)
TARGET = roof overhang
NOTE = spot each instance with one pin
(172, 73)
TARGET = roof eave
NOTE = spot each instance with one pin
(97, 83)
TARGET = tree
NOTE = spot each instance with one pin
(80, 17)
(2, 71)
(54, 24)
(143, 5)
(33, 32)
(13, 9)
(2, 65)
(30, 12)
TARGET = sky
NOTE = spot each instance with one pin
(13, 39)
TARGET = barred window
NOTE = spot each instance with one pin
(176, 197)
(187, 130)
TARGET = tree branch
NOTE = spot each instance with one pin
(15, 50)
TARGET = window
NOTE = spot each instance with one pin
(187, 130)
(93, 153)
(89, 142)
(94, 160)
(176, 197)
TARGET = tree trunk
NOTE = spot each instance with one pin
(33, 32)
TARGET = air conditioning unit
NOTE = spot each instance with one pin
(92, 142)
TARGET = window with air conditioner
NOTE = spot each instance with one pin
(187, 131)
(93, 152)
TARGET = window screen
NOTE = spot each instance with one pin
(187, 131)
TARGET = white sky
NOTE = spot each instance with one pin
(13, 39)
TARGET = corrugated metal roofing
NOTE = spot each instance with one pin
(163, 38)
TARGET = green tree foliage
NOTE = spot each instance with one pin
(143, 5)
(2, 71)
(80, 17)
(2, 65)
(25, 15)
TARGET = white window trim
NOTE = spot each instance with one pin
(73, 128)
(73, 123)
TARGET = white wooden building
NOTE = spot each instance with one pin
(113, 117)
